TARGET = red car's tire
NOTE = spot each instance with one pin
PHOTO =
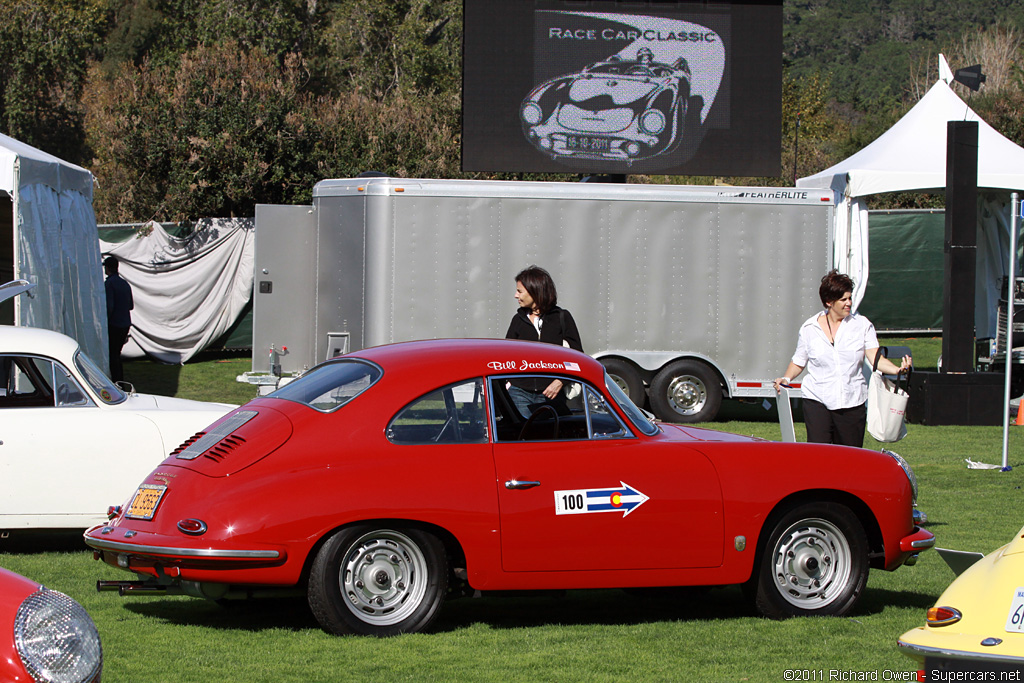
(815, 563)
(378, 581)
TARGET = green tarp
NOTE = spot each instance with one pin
(906, 270)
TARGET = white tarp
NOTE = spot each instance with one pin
(912, 156)
(187, 291)
(55, 245)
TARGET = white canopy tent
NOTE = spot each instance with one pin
(912, 156)
(55, 245)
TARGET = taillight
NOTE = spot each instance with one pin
(942, 616)
(192, 527)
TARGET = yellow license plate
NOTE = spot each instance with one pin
(146, 499)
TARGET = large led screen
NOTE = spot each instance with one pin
(680, 88)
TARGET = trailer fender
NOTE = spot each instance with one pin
(630, 378)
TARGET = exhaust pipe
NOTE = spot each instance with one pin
(125, 587)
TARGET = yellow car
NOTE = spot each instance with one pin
(978, 622)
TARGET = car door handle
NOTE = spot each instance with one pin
(516, 484)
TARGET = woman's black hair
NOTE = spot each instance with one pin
(539, 285)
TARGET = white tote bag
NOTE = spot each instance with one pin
(887, 406)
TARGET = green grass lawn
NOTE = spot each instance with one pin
(583, 636)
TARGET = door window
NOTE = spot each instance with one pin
(34, 382)
(27, 382)
(522, 412)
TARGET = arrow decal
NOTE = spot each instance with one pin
(583, 501)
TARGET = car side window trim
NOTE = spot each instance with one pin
(69, 392)
(594, 399)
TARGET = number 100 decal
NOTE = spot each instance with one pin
(623, 499)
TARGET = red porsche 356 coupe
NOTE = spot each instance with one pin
(383, 481)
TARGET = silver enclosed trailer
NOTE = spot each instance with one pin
(692, 293)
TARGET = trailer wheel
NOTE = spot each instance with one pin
(686, 391)
(377, 581)
(626, 376)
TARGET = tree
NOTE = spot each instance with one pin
(210, 136)
(46, 45)
(400, 47)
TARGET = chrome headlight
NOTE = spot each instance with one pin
(652, 121)
(906, 470)
(56, 639)
(532, 113)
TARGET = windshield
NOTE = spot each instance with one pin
(635, 415)
(107, 391)
(332, 385)
(628, 69)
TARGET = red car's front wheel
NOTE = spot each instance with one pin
(815, 563)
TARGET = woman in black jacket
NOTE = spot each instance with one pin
(540, 319)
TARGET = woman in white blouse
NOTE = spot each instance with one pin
(832, 346)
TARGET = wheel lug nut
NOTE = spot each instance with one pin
(359, 584)
(379, 601)
(394, 559)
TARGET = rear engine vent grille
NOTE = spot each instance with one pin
(224, 448)
(188, 442)
(219, 437)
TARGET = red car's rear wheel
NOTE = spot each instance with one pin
(377, 581)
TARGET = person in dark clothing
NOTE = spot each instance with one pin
(119, 317)
(539, 318)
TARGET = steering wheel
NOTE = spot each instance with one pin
(534, 416)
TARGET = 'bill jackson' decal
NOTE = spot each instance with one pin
(582, 501)
(532, 365)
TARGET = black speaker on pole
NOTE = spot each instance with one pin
(958, 394)
(960, 246)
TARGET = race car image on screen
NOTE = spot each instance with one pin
(615, 110)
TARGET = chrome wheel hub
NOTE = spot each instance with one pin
(812, 564)
(383, 577)
(687, 394)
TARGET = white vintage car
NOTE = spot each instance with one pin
(71, 441)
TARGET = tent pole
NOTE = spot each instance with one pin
(16, 208)
(1011, 300)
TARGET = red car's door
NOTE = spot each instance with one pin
(603, 499)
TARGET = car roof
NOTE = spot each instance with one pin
(482, 357)
(35, 340)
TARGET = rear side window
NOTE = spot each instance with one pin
(451, 414)
(329, 386)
